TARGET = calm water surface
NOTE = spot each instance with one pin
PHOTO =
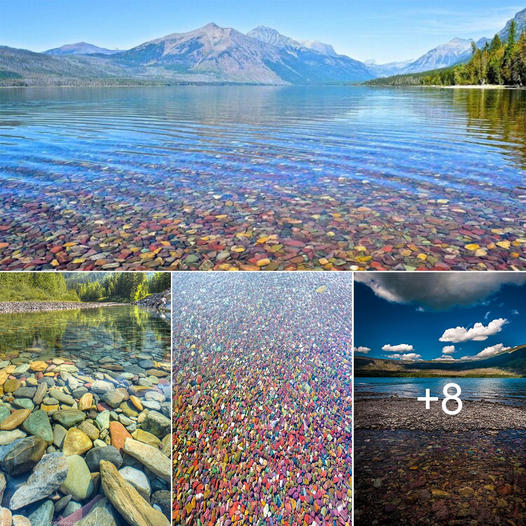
(504, 390)
(127, 334)
(221, 177)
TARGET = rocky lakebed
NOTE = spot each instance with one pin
(85, 431)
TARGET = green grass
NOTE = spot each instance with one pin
(27, 293)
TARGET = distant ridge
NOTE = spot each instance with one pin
(80, 48)
(511, 362)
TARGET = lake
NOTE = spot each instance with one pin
(221, 177)
(502, 390)
(89, 337)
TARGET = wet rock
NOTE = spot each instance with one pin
(156, 424)
(37, 423)
(150, 457)
(126, 499)
(108, 453)
(24, 455)
(137, 479)
(46, 478)
(40, 393)
(43, 515)
(69, 417)
(14, 419)
(102, 514)
(76, 442)
(118, 435)
(78, 482)
(6, 437)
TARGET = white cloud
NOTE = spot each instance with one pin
(491, 351)
(479, 332)
(412, 357)
(362, 349)
(515, 312)
(438, 290)
(444, 358)
(401, 347)
(448, 349)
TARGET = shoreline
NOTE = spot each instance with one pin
(407, 413)
(15, 307)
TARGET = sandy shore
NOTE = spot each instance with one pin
(405, 413)
(9, 307)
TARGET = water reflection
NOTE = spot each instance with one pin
(110, 330)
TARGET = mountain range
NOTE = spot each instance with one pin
(511, 362)
(213, 54)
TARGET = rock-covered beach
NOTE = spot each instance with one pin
(262, 399)
(423, 467)
(84, 422)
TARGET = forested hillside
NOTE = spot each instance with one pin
(497, 63)
(122, 286)
(31, 286)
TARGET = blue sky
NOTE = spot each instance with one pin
(430, 315)
(383, 30)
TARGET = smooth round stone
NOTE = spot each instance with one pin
(69, 417)
(146, 364)
(109, 453)
(24, 455)
(152, 404)
(128, 411)
(118, 435)
(67, 368)
(61, 396)
(113, 398)
(31, 381)
(21, 369)
(14, 419)
(49, 400)
(136, 402)
(154, 395)
(25, 392)
(40, 393)
(20, 520)
(137, 479)
(125, 421)
(11, 385)
(37, 423)
(99, 443)
(24, 403)
(78, 482)
(76, 442)
(43, 515)
(38, 366)
(7, 437)
(85, 402)
(50, 382)
(101, 386)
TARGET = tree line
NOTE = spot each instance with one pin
(34, 286)
(123, 286)
(498, 62)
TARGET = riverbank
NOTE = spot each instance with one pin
(11, 307)
(410, 414)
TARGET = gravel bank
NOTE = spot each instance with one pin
(404, 413)
(9, 307)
